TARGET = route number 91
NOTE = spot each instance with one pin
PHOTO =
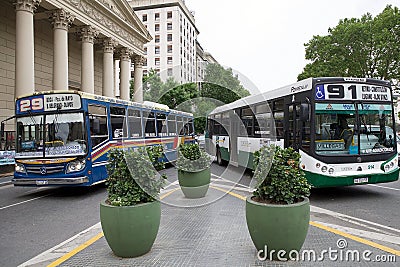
(31, 104)
(337, 91)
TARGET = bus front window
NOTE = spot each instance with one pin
(338, 133)
(376, 134)
(65, 135)
(51, 135)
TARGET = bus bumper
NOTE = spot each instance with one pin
(50, 181)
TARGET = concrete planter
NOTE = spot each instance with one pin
(130, 231)
(277, 227)
(194, 184)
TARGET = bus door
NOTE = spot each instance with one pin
(293, 133)
(234, 134)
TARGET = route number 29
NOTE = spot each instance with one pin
(31, 104)
(338, 91)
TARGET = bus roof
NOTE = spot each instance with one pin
(300, 86)
(303, 85)
(145, 104)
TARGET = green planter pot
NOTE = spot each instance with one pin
(130, 231)
(277, 227)
(194, 184)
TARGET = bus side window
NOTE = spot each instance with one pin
(98, 124)
(150, 124)
(134, 123)
(171, 125)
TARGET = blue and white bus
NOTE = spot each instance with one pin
(343, 128)
(63, 137)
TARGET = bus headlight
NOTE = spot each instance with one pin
(20, 168)
(76, 165)
(324, 169)
(331, 170)
(389, 166)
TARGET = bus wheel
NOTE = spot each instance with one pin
(220, 161)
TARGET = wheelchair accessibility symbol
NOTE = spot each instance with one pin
(319, 92)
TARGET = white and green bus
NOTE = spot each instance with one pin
(343, 129)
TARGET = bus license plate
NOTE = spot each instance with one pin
(361, 180)
(42, 182)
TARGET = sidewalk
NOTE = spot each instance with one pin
(215, 234)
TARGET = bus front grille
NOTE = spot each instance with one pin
(44, 170)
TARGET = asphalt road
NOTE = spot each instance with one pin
(35, 219)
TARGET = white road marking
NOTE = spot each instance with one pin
(385, 187)
(19, 203)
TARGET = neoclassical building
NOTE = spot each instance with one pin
(69, 45)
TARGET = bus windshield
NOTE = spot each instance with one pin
(55, 135)
(344, 129)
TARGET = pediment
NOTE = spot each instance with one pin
(123, 10)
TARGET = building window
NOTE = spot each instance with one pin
(169, 60)
(145, 62)
(169, 72)
(157, 27)
(145, 50)
(157, 61)
(169, 37)
(157, 39)
(144, 17)
(169, 49)
(157, 50)
(169, 15)
(157, 16)
(169, 26)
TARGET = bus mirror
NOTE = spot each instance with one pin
(304, 112)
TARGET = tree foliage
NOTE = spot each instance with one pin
(365, 47)
(222, 84)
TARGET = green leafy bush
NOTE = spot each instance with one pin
(132, 178)
(285, 182)
(192, 159)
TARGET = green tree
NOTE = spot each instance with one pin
(365, 47)
(178, 94)
(222, 84)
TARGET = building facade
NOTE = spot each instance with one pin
(68, 45)
(172, 52)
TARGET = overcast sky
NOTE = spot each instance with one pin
(264, 39)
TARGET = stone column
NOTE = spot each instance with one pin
(138, 79)
(61, 21)
(24, 47)
(125, 73)
(108, 67)
(117, 91)
(87, 34)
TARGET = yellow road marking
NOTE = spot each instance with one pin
(76, 250)
(229, 192)
(169, 193)
(356, 238)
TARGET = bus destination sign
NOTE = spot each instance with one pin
(366, 92)
(50, 102)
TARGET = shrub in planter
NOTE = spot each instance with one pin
(130, 216)
(278, 213)
(193, 170)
